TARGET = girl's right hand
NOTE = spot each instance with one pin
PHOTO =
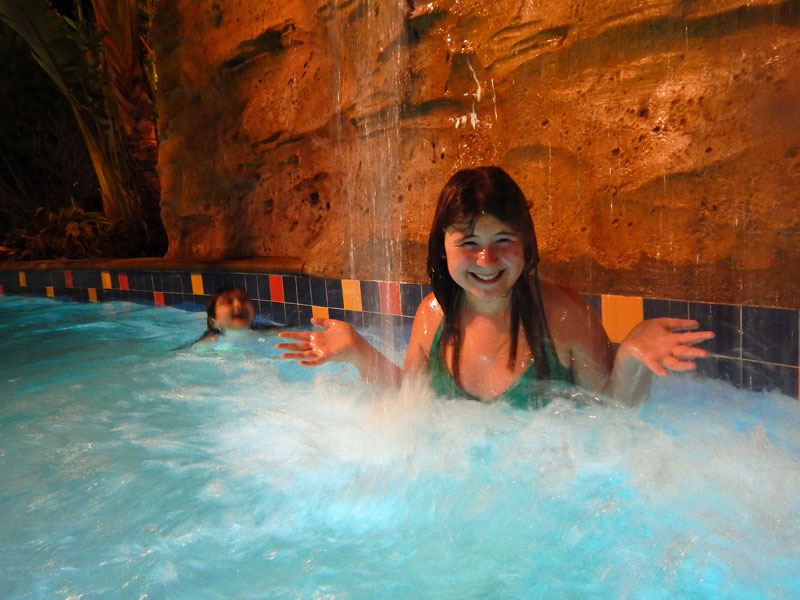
(338, 341)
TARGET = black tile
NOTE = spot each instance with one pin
(410, 298)
(724, 320)
(318, 292)
(226, 279)
(759, 376)
(333, 294)
(370, 296)
(86, 279)
(171, 299)
(209, 283)
(770, 335)
(336, 313)
(262, 287)
(655, 308)
(39, 278)
(426, 289)
(289, 288)
(262, 307)
(303, 290)
(171, 283)
(186, 282)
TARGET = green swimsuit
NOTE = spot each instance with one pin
(524, 392)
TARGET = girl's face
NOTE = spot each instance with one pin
(485, 261)
(234, 309)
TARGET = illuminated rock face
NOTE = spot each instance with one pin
(659, 146)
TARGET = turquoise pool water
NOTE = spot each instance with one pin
(132, 470)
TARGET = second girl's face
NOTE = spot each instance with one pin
(234, 309)
(484, 261)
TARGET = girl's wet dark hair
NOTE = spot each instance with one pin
(469, 194)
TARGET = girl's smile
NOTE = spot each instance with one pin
(484, 260)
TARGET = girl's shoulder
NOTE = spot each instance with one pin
(429, 312)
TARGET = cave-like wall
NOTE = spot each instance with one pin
(659, 142)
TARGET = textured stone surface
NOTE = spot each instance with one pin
(658, 142)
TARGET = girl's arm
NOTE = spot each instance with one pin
(653, 346)
(339, 341)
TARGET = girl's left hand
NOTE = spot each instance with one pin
(664, 343)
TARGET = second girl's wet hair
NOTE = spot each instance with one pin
(467, 195)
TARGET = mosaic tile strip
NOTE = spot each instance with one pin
(755, 347)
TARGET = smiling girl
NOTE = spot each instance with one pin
(491, 329)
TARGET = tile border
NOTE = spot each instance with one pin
(756, 348)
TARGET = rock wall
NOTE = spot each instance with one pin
(658, 142)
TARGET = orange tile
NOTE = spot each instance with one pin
(50, 291)
(389, 292)
(197, 284)
(123, 281)
(68, 279)
(621, 314)
(351, 293)
(158, 298)
(320, 312)
(106, 276)
(276, 288)
(23, 281)
(92, 294)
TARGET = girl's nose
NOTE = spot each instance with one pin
(486, 256)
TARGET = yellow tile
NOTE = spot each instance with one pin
(620, 315)
(92, 295)
(23, 281)
(106, 280)
(320, 312)
(197, 284)
(50, 291)
(351, 292)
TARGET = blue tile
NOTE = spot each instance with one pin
(595, 302)
(292, 314)
(721, 368)
(262, 287)
(758, 376)
(426, 289)
(770, 335)
(355, 318)
(251, 285)
(333, 292)
(305, 313)
(303, 290)
(239, 280)
(226, 279)
(370, 297)
(655, 308)
(277, 312)
(289, 288)
(410, 298)
(724, 320)
(318, 293)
